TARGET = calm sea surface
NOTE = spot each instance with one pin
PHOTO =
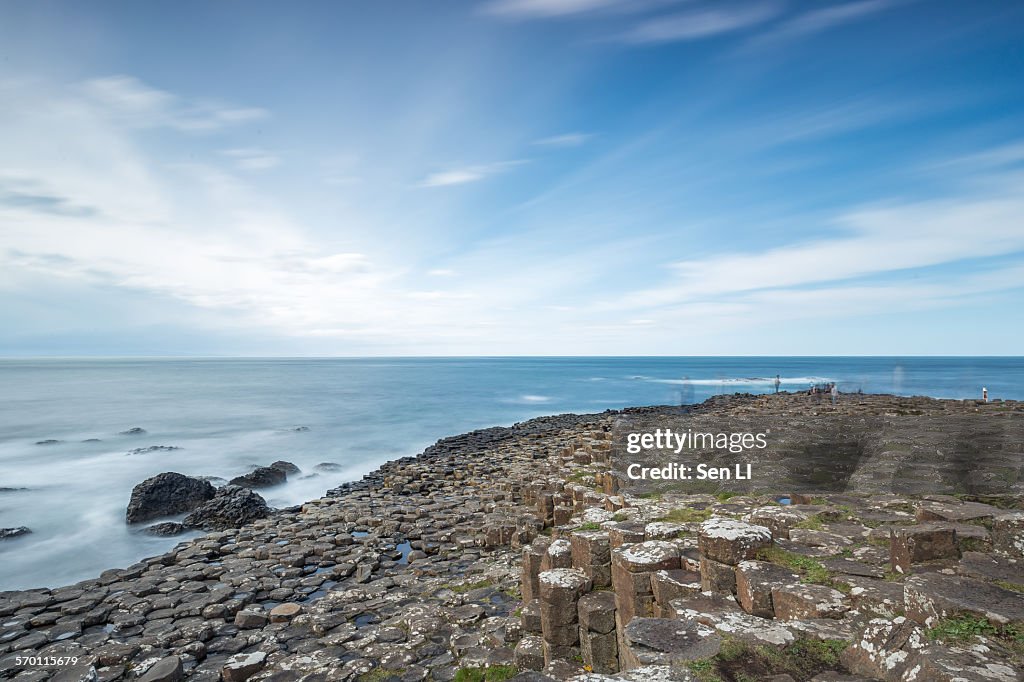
(227, 415)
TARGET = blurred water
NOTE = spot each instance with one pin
(227, 415)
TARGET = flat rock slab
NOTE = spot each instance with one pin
(165, 670)
(934, 596)
(654, 555)
(1008, 533)
(929, 510)
(850, 567)
(798, 601)
(665, 641)
(878, 597)
(991, 567)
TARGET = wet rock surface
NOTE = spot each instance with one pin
(167, 494)
(522, 547)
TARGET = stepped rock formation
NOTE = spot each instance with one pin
(524, 550)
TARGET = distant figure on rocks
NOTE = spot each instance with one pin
(984, 394)
(835, 392)
(778, 382)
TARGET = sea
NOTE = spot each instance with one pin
(77, 434)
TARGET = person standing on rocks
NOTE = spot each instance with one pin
(835, 393)
(778, 382)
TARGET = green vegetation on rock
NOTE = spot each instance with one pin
(492, 673)
(739, 661)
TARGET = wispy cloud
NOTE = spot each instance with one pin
(545, 9)
(22, 195)
(140, 105)
(252, 158)
(818, 20)
(699, 24)
(441, 272)
(869, 242)
(564, 140)
(467, 174)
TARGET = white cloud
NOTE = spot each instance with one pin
(252, 158)
(467, 174)
(698, 24)
(818, 20)
(869, 242)
(441, 272)
(545, 9)
(139, 105)
(564, 140)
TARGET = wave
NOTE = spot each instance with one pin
(534, 398)
(744, 381)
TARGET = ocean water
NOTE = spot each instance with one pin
(227, 415)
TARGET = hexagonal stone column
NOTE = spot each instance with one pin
(925, 542)
(632, 566)
(755, 581)
(591, 553)
(560, 591)
(597, 632)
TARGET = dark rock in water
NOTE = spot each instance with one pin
(287, 467)
(231, 507)
(166, 529)
(263, 477)
(48, 441)
(92, 440)
(8, 533)
(134, 431)
(301, 428)
(153, 448)
(328, 466)
(167, 494)
(216, 480)
(11, 490)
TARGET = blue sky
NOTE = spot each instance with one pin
(505, 177)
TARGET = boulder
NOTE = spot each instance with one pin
(232, 506)
(262, 477)
(134, 431)
(167, 494)
(165, 530)
(287, 467)
(8, 533)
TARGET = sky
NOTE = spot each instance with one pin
(512, 177)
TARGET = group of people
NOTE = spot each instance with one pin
(829, 389)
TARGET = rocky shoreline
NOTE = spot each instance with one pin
(526, 551)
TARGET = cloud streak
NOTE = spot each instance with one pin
(467, 174)
(137, 104)
(820, 20)
(545, 9)
(699, 24)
